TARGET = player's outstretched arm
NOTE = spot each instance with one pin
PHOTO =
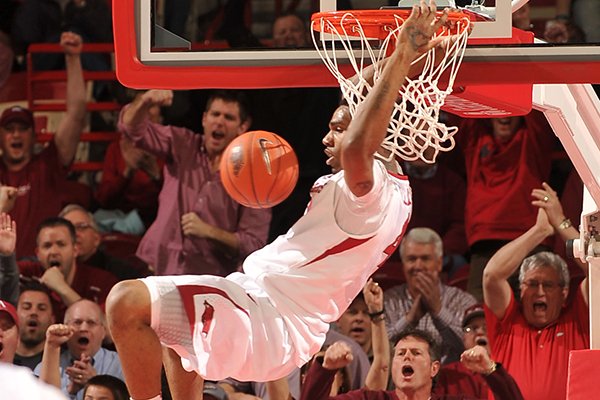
(369, 127)
(368, 73)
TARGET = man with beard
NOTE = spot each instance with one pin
(35, 315)
(58, 269)
(199, 228)
(34, 308)
(83, 331)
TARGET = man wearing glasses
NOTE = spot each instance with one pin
(456, 379)
(89, 241)
(83, 331)
(532, 338)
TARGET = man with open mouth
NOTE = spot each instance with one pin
(37, 177)
(199, 228)
(456, 378)
(425, 302)
(415, 364)
(9, 332)
(35, 315)
(83, 331)
(533, 337)
(59, 270)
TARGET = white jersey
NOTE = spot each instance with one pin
(313, 272)
(261, 324)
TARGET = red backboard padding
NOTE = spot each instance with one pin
(582, 381)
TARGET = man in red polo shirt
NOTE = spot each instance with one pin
(532, 338)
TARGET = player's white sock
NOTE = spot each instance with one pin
(159, 397)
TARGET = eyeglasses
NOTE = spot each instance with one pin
(81, 226)
(91, 323)
(547, 285)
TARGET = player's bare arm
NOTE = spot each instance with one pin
(369, 127)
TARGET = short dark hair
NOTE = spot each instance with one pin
(36, 286)
(434, 348)
(231, 96)
(116, 386)
(54, 222)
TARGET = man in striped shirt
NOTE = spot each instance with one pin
(424, 302)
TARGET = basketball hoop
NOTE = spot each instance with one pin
(414, 125)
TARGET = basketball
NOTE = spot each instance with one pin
(259, 169)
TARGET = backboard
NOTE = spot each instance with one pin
(148, 55)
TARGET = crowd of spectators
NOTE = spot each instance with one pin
(493, 215)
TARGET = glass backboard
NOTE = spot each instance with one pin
(152, 51)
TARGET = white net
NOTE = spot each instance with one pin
(415, 131)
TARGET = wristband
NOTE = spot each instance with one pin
(376, 314)
(378, 318)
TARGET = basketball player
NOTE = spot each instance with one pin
(261, 324)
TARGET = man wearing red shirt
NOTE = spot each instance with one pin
(57, 252)
(533, 339)
(505, 159)
(455, 378)
(37, 178)
(414, 365)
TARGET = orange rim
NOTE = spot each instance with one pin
(375, 23)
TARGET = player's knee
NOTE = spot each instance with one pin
(128, 301)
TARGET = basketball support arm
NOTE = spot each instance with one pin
(573, 111)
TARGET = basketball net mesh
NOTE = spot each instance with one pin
(415, 131)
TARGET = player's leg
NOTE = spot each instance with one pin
(128, 313)
(183, 385)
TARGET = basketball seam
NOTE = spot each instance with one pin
(233, 186)
(252, 154)
(276, 173)
(292, 178)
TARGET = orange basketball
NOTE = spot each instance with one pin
(259, 169)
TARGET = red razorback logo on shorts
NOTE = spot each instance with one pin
(207, 317)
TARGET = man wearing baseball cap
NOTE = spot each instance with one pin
(9, 332)
(18, 115)
(455, 378)
(35, 180)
